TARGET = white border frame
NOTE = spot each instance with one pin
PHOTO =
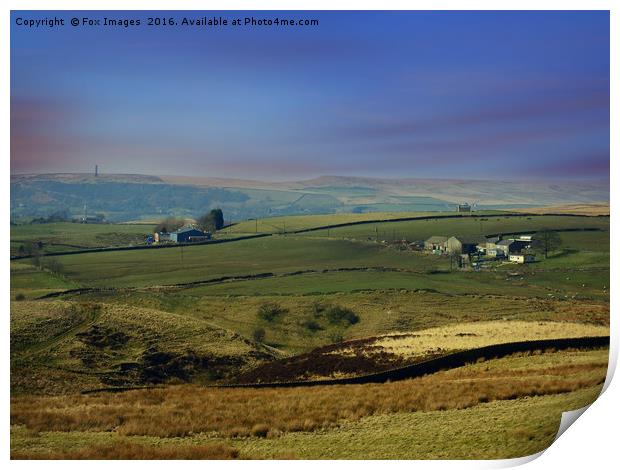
(590, 443)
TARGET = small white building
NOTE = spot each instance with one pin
(521, 258)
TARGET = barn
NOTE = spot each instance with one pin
(436, 244)
(188, 235)
(463, 245)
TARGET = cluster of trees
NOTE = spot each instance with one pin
(546, 241)
(58, 216)
(170, 224)
(209, 222)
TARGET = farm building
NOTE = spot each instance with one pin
(521, 258)
(159, 237)
(93, 219)
(188, 235)
(462, 245)
(183, 235)
(436, 244)
(463, 208)
(488, 246)
(504, 247)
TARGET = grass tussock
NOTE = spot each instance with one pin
(125, 450)
(238, 412)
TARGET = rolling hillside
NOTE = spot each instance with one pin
(134, 197)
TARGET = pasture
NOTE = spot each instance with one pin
(67, 236)
(472, 226)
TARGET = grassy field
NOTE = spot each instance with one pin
(466, 226)
(316, 422)
(380, 312)
(61, 347)
(180, 318)
(475, 335)
(66, 236)
(578, 209)
(292, 223)
(194, 263)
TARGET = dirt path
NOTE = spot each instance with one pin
(34, 349)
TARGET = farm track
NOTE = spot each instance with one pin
(313, 229)
(448, 361)
(92, 318)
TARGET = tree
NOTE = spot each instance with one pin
(54, 266)
(547, 241)
(212, 221)
(170, 224)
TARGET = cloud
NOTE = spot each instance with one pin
(490, 115)
(587, 165)
(37, 137)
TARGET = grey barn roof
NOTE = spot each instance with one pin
(437, 239)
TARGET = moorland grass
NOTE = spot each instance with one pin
(379, 312)
(180, 411)
(495, 430)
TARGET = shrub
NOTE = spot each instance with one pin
(317, 308)
(258, 335)
(270, 310)
(337, 314)
(311, 325)
(20, 297)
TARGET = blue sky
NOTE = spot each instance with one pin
(501, 95)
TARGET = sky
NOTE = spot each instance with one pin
(480, 95)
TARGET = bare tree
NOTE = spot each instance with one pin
(547, 241)
(170, 224)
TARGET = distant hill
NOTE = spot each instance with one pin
(123, 197)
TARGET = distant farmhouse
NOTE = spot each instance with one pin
(463, 208)
(511, 249)
(187, 234)
(462, 245)
(436, 244)
(93, 219)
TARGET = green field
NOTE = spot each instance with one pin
(293, 223)
(66, 236)
(465, 226)
(194, 263)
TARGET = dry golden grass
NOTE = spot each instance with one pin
(184, 410)
(577, 209)
(126, 450)
(474, 335)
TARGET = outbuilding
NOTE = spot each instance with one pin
(188, 235)
(436, 244)
(521, 258)
(462, 245)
